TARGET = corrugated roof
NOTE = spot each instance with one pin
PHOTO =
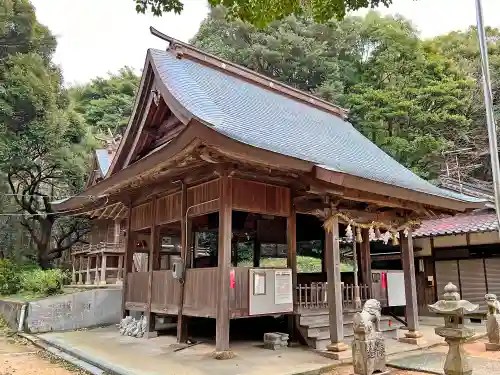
(265, 119)
(104, 160)
(457, 225)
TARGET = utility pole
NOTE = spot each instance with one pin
(488, 102)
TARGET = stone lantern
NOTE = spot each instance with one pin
(453, 309)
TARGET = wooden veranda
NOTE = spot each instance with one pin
(214, 148)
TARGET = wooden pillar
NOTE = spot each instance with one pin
(128, 258)
(224, 264)
(413, 336)
(154, 249)
(366, 260)
(80, 269)
(334, 290)
(291, 262)
(119, 270)
(104, 260)
(182, 333)
(256, 251)
(87, 279)
(96, 274)
(73, 269)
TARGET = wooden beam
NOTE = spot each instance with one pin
(291, 261)
(181, 323)
(128, 258)
(154, 249)
(116, 207)
(145, 114)
(365, 260)
(105, 212)
(224, 264)
(408, 261)
(334, 291)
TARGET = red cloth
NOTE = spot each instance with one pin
(384, 280)
(232, 279)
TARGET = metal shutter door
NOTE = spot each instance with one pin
(473, 281)
(446, 271)
(493, 275)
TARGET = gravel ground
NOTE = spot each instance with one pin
(20, 358)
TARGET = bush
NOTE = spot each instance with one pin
(9, 277)
(42, 282)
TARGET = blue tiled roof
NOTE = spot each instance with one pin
(265, 119)
(103, 160)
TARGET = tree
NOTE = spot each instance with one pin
(43, 142)
(106, 103)
(410, 100)
(262, 12)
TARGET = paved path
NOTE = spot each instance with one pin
(432, 360)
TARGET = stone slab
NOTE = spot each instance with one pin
(131, 356)
(11, 311)
(433, 363)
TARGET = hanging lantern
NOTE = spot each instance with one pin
(348, 231)
(378, 235)
(359, 237)
(371, 234)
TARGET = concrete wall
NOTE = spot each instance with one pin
(10, 311)
(86, 309)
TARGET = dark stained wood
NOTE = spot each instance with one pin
(260, 198)
(168, 208)
(224, 264)
(154, 250)
(141, 216)
(408, 261)
(181, 323)
(128, 259)
(365, 259)
(332, 260)
(200, 292)
(203, 198)
(165, 293)
(137, 288)
(291, 261)
(239, 296)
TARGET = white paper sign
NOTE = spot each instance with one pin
(396, 288)
(259, 284)
(283, 287)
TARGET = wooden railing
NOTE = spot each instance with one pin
(200, 292)
(137, 290)
(314, 295)
(165, 293)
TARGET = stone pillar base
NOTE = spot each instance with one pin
(225, 354)
(150, 334)
(102, 282)
(338, 351)
(492, 347)
(413, 338)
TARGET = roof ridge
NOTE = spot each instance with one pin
(185, 49)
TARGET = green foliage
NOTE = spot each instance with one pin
(105, 104)
(44, 282)
(262, 12)
(44, 144)
(9, 277)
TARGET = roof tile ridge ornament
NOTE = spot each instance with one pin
(182, 49)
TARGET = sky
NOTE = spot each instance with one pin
(96, 37)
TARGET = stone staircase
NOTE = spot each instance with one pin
(314, 328)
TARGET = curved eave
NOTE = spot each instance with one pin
(370, 186)
(197, 133)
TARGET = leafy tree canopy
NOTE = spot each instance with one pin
(261, 12)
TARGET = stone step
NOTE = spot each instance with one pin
(323, 340)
